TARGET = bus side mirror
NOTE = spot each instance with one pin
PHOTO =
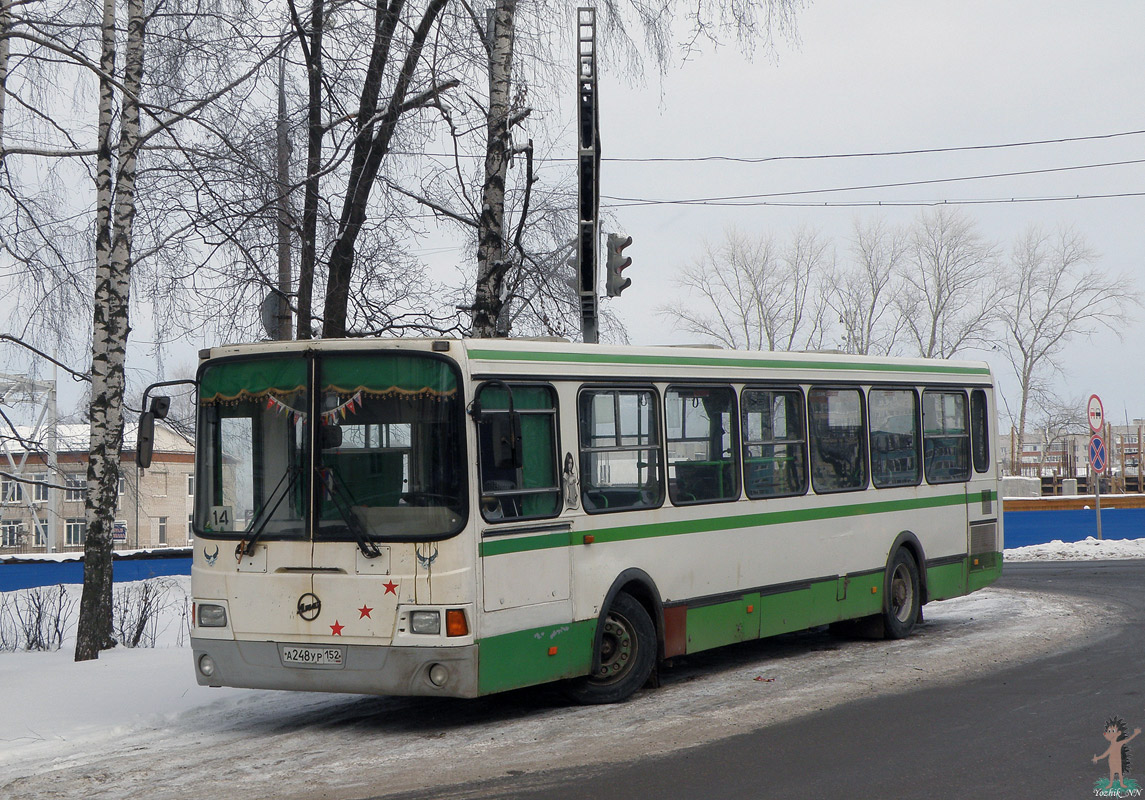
(145, 441)
(505, 432)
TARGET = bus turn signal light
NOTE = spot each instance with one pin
(455, 624)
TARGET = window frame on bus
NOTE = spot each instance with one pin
(863, 459)
(801, 443)
(980, 430)
(675, 493)
(917, 420)
(656, 429)
(496, 498)
(927, 461)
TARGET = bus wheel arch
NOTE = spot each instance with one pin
(630, 625)
(904, 588)
(908, 541)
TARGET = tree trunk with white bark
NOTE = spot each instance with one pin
(115, 218)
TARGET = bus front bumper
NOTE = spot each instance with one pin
(365, 669)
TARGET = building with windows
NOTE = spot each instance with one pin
(1067, 456)
(42, 493)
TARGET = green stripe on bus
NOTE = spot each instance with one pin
(730, 361)
(496, 547)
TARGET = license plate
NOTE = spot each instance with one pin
(313, 657)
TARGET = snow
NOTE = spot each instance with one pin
(134, 723)
(1090, 549)
(183, 552)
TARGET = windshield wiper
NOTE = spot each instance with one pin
(258, 524)
(339, 494)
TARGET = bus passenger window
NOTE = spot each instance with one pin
(701, 456)
(894, 437)
(945, 437)
(980, 431)
(774, 443)
(533, 490)
(619, 450)
(838, 440)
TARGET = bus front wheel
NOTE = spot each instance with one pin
(626, 654)
(904, 596)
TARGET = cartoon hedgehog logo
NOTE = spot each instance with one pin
(1117, 753)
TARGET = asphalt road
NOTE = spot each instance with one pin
(1029, 731)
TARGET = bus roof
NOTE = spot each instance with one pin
(548, 358)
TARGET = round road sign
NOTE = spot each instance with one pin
(1095, 413)
(1097, 454)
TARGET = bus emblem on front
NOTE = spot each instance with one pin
(309, 606)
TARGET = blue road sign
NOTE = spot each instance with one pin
(1097, 455)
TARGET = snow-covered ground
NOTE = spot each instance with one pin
(134, 724)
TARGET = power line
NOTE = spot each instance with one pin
(806, 157)
(880, 203)
(877, 153)
(866, 187)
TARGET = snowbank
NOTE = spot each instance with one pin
(1090, 549)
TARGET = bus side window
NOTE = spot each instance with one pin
(701, 456)
(945, 437)
(774, 443)
(619, 450)
(533, 489)
(979, 431)
(838, 439)
(894, 437)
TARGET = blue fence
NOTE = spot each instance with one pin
(24, 573)
(1038, 527)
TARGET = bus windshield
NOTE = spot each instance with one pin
(395, 467)
(390, 449)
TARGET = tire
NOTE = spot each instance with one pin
(626, 655)
(904, 596)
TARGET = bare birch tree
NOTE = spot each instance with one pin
(947, 279)
(115, 215)
(1053, 290)
(728, 289)
(863, 292)
(752, 24)
(752, 293)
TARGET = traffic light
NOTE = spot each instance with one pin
(614, 282)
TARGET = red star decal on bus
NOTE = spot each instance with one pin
(391, 587)
(364, 611)
(336, 629)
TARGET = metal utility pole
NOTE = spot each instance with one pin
(588, 166)
(282, 329)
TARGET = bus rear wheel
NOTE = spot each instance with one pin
(904, 596)
(626, 655)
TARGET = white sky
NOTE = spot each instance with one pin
(889, 76)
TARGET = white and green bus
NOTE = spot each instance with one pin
(445, 517)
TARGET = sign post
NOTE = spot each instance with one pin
(1097, 453)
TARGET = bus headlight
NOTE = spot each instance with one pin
(206, 665)
(427, 622)
(212, 616)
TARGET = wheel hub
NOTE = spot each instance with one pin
(617, 648)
